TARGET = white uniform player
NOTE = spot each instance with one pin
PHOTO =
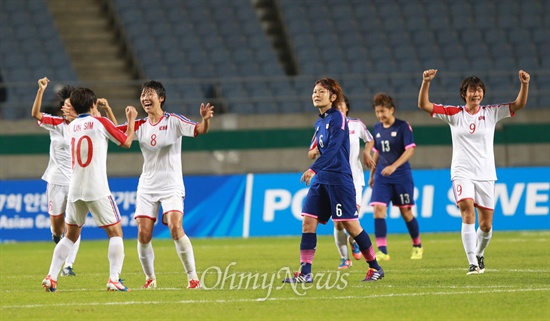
(89, 188)
(473, 170)
(357, 131)
(58, 172)
(161, 183)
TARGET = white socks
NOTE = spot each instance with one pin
(60, 253)
(341, 240)
(185, 253)
(147, 259)
(469, 238)
(483, 239)
(116, 257)
(72, 255)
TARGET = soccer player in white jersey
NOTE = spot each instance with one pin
(89, 188)
(161, 183)
(58, 172)
(357, 131)
(473, 171)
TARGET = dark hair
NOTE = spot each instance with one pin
(64, 93)
(348, 105)
(473, 82)
(383, 99)
(157, 87)
(333, 87)
(82, 100)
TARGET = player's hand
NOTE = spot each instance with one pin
(131, 113)
(388, 170)
(207, 111)
(524, 77)
(307, 176)
(369, 162)
(69, 113)
(43, 83)
(314, 153)
(103, 104)
(429, 74)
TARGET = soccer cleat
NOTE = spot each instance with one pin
(474, 269)
(49, 285)
(346, 263)
(374, 275)
(381, 256)
(68, 271)
(299, 278)
(194, 284)
(56, 238)
(417, 253)
(150, 284)
(355, 249)
(481, 263)
(116, 286)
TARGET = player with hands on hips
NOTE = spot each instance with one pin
(473, 172)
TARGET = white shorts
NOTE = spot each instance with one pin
(104, 211)
(57, 198)
(481, 192)
(148, 205)
(358, 194)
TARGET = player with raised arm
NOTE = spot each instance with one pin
(89, 188)
(161, 183)
(473, 172)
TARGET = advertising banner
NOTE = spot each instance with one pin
(255, 205)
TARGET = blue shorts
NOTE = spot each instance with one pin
(400, 194)
(325, 201)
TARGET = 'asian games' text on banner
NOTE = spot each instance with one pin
(270, 205)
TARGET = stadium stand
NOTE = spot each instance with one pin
(30, 48)
(221, 50)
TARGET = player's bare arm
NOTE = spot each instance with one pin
(423, 96)
(103, 104)
(207, 112)
(367, 158)
(521, 100)
(131, 114)
(42, 84)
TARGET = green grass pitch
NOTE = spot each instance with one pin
(242, 281)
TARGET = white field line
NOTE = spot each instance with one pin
(223, 301)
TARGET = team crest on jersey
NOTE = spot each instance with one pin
(481, 118)
(393, 134)
(377, 135)
(326, 126)
(163, 127)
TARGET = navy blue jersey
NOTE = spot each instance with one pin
(391, 143)
(332, 139)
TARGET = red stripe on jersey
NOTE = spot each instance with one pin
(448, 110)
(51, 120)
(112, 129)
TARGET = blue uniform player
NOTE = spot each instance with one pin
(332, 193)
(392, 180)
